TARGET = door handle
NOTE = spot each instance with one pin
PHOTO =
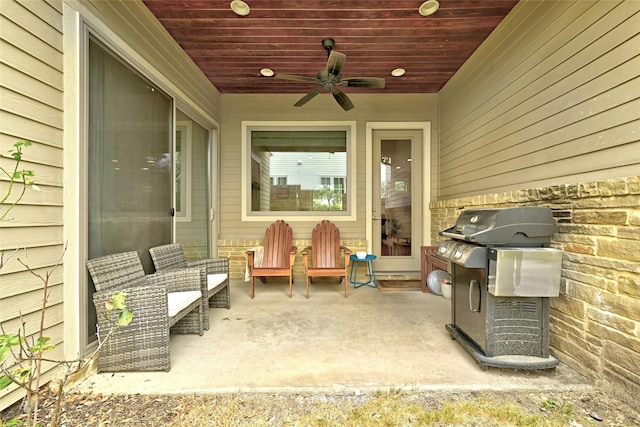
(375, 218)
(473, 284)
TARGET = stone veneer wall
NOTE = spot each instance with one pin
(236, 251)
(595, 323)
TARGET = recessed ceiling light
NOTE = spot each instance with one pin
(398, 72)
(240, 8)
(267, 72)
(429, 7)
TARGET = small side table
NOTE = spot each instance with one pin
(353, 273)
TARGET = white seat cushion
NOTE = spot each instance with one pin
(214, 280)
(178, 301)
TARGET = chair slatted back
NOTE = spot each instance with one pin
(325, 245)
(278, 239)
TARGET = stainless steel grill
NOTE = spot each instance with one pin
(503, 275)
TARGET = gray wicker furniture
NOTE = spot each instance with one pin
(161, 303)
(214, 275)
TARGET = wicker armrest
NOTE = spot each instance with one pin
(212, 265)
(306, 250)
(146, 302)
(142, 345)
(183, 279)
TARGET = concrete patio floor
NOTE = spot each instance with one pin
(368, 342)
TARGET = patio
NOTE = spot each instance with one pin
(370, 341)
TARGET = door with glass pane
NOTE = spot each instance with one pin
(397, 189)
(192, 187)
(129, 169)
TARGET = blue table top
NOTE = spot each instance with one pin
(369, 257)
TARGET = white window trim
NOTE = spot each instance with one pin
(348, 126)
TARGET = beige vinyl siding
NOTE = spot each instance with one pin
(552, 96)
(31, 100)
(369, 108)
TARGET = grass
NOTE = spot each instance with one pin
(381, 409)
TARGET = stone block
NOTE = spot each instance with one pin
(619, 249)
(589, 230)
(578, 351)
(572, 191)
(588, 189)
(600, 217)
(580, 249)
(629, 285)
(633, 184)
(605, 324)
(613, 187)
(569, 306)
(622, 356)
(627, 201)
(629, 233)
(622, 305)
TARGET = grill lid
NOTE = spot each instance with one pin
(523, 226)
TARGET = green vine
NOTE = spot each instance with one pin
(17, 175)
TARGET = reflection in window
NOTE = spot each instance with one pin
(298, 171)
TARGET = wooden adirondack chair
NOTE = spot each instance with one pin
(325, 253)
(278, 257)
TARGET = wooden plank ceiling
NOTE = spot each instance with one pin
(286, 36)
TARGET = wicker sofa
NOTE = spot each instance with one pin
(214, 275)
(162, 303)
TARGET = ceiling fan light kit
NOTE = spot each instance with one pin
(331, 77)
(267, 72)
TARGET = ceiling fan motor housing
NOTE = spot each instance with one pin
(328, 45)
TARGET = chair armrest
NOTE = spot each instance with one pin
(306, 250)
(212, 265)
(147, 303)
(292, 256)
(178, 280)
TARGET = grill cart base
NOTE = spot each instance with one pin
(503, 361)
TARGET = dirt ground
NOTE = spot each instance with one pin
(574, 409)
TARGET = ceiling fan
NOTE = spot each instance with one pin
(330, 78)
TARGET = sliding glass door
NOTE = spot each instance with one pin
(130, 179)
(193, 205)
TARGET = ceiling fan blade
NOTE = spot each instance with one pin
(296, 78)
(342, 99)
(308, 97)
(372, 82)
(335, 62)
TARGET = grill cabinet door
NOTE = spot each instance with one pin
(468, 303)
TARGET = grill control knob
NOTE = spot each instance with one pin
(457, 254)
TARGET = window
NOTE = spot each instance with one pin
(299, 169)
(279, 180)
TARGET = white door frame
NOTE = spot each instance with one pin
(425, 127)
